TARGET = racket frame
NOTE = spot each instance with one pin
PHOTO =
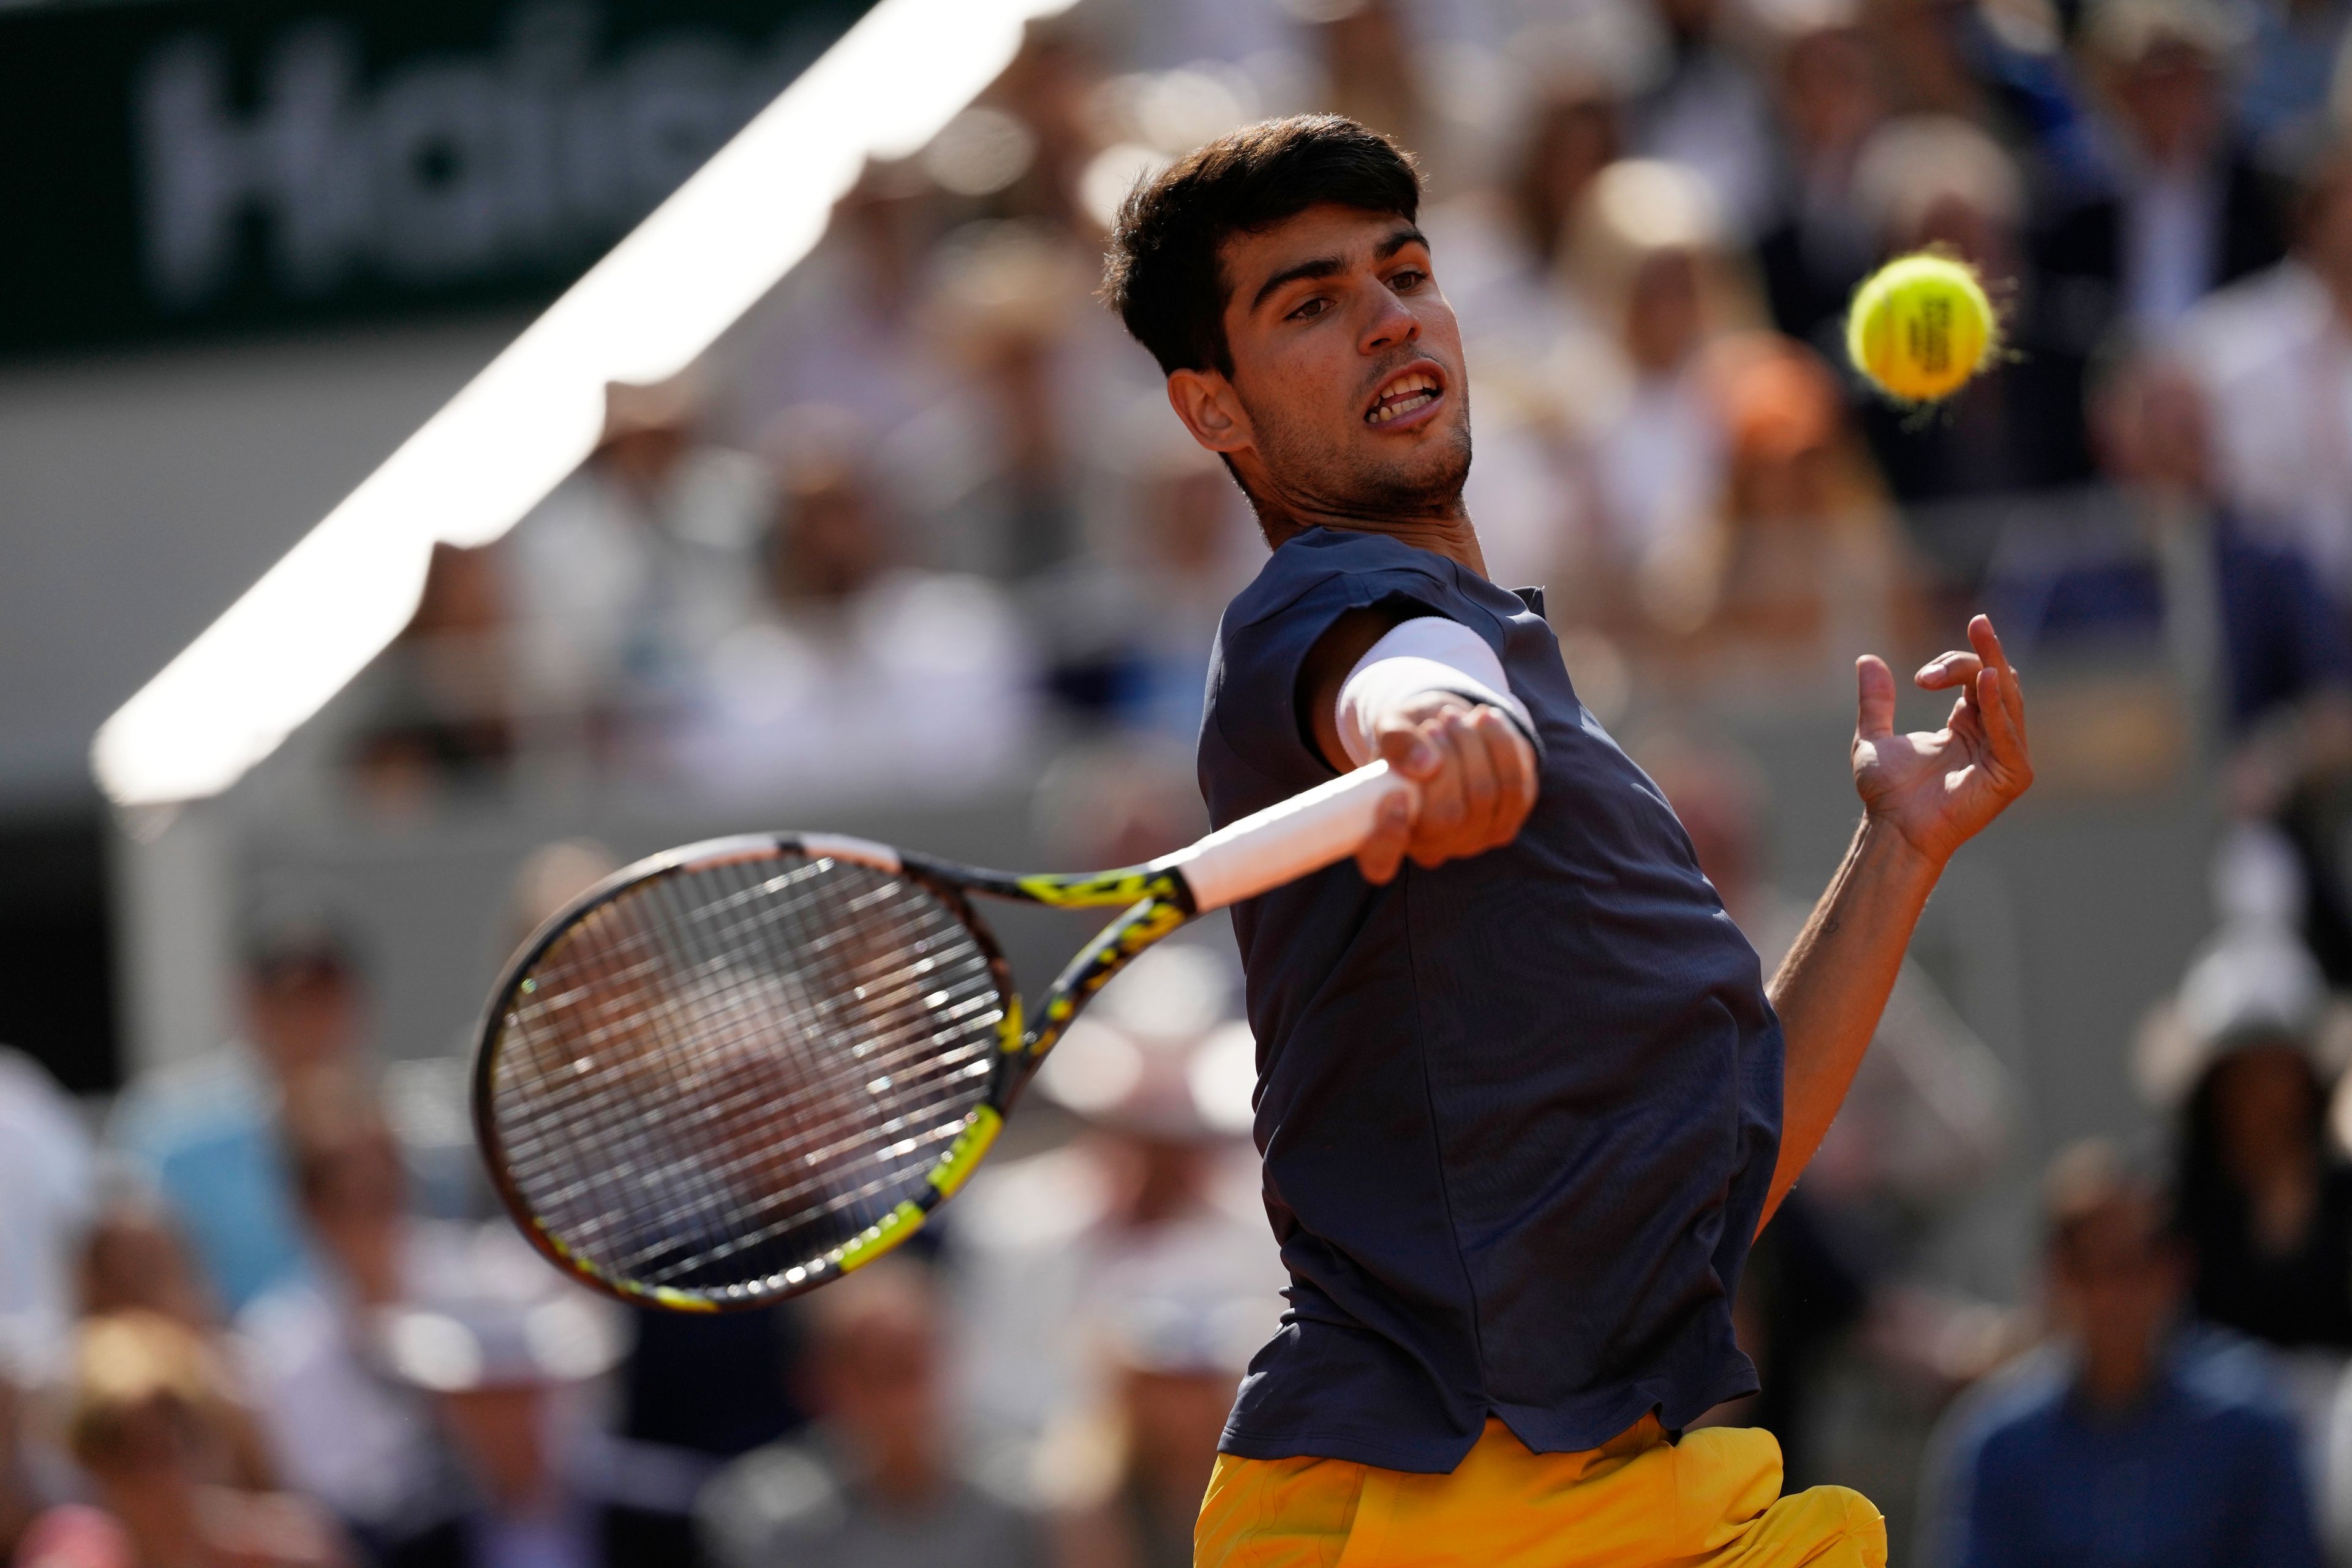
(1156, 898)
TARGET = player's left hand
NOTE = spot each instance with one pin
(1938, 789)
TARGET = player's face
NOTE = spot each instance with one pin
(1346, 397)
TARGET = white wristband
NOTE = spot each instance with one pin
(1428, 653)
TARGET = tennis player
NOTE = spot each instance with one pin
(1524, 1097)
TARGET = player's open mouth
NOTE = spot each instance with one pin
(1408, 395)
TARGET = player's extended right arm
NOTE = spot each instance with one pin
(1475, 769)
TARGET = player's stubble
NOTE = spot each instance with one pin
(1353, 475)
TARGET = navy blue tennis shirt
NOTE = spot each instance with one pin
(1518, 1114)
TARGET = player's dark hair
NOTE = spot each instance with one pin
(1161, 274)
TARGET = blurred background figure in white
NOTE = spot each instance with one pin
(509, 1357)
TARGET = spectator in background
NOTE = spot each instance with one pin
(878, 1485)
(2184, 210)
(2290, 61)
(2158, 569)
(133, 1264)
(20, 1493)
(510, 1353)
(1008, 300)
(1509, 273)
(1193, 546)
(2275, 352)
(1999, 69)
(34, 1480)
(133, 1260)
(145, 1423)
(205, 1134)
(2263, 1201)
(347, 1434)
(2138, 1441)
(854, 675)
(1548, 368)
(1831, 96)
(847, 320)
(440, 701)
(1049, 87)
(630, 571)
(47, 1191)
(1159, 1185)
(1370, 67)
(1708, 112)
(1651, 255)
(1129, 1479)
(1805, 567)
(1128, 627)
(1575, 131)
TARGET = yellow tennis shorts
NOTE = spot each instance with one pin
(1636, 1501)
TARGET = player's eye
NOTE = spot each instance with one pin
(1309, 310)
(1406, 281)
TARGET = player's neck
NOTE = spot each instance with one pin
(1449, 533)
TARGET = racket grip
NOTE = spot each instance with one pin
(1306, 833)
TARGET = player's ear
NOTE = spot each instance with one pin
(1205, 401)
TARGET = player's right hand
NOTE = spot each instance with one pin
(1477, 779)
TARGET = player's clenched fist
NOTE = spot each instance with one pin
(1475, 772)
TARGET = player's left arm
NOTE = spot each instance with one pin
(1924, 795)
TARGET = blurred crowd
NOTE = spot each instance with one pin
(921, 527)
(922, 516)
(252, 1318)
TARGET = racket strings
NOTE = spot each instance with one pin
(731, 1070)
(704, 1006)
(888, 1098)
(725, 1035)
(714, 1180)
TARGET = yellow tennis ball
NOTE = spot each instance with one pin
(1920, 327)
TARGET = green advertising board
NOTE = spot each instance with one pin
(217, 166)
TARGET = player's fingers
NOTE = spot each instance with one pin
(1443, 809)
(2004, 724)
(1955, 668)
(1875, 706)
(1379, 857)
(1408, 749)
(1480, 790)
(1514, 763)
(2012, 690)
(1987, 642)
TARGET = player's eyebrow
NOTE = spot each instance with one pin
(1326, 266)
(1321, 266)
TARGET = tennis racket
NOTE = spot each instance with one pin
(734, 1071)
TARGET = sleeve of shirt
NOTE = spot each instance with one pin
(1257, 705)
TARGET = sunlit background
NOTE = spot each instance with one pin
(449, 450)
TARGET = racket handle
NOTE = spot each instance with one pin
(1306, 833)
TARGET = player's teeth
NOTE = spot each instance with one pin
(1416, 393)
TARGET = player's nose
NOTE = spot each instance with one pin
(1387, 322)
